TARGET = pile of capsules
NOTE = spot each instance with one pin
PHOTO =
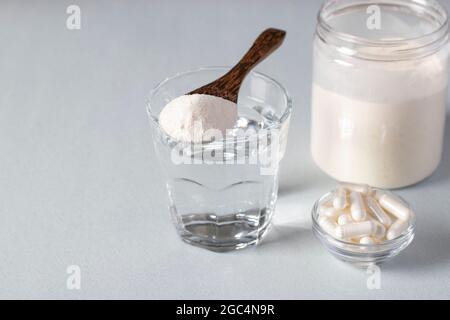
(362, 215)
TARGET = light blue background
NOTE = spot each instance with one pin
(79, 182)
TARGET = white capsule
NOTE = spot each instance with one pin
(330, 212)
(344, 219)
(360, 188)
(323, 208)
(379, 230)
(328, 225)
(357, 207)
(355, 230)
(340, 199)
(328, 201)
(396, 229)
(394, 206)
(378, 212)
(366, 241)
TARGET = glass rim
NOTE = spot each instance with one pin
(216, 144)
(405, 46)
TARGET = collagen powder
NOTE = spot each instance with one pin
(380, 123)
(196, 118)
(379, 93)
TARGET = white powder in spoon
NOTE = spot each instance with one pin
(190, 118)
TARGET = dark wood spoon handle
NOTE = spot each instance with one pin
(228, 86)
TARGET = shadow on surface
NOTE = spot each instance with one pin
(431, 247)
(442, 173)
(289, 188)
(427, 251)
(286, 237)
(300, 178)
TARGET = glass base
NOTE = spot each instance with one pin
(223, 234)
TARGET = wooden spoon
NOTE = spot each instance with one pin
(227, 87)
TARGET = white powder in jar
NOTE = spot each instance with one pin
(193, 118)
(379, 123)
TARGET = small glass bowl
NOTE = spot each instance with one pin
(362, 255)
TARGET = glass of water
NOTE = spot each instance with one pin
(222, 194)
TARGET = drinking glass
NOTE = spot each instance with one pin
(222, 194)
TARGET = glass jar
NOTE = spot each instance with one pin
(380, 90)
